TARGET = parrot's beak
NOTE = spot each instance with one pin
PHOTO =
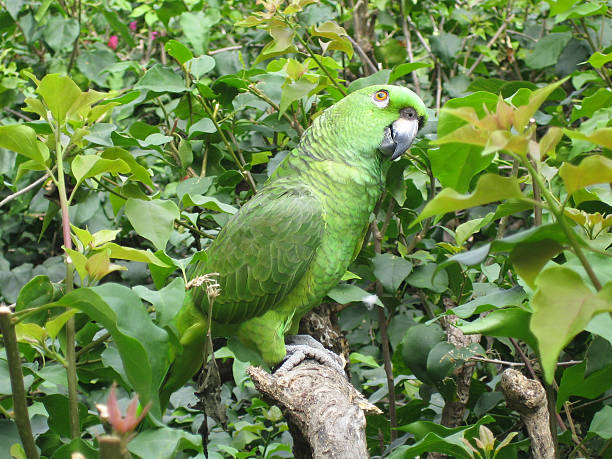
(398, 137)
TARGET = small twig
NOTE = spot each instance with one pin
(93, 344)
(364, 57)
(382, 322)
(489, 44)
(575, 438)
(24, 190)
(20, 406)
(18, 114)
(222, 50)
(293, 122)
(415, 78)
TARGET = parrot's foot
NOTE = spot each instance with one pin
(304, 347)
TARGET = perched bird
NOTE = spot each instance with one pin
(291, 243)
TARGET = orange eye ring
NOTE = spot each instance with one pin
(381, 95)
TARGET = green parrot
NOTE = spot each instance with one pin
(291, 243)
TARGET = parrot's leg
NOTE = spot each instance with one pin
(304, 347)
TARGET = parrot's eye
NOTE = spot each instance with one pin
(381, 98)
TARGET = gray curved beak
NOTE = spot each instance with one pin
(398, 137)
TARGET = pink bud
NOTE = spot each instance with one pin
(133, 26)
(113, 41)
(154, 35)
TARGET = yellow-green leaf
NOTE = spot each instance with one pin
(59, 93)
(525, 112)
(593, 169)
(601, 136)
(490, 188)
(86, 166)
(22, 139)
(563, 306)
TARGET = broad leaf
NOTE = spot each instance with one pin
(490, 188)
(563, 306)
(153, 220)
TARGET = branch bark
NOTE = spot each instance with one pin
(326, 414)
(22, 418)
(528, 397)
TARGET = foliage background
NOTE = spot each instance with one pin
(198, 101)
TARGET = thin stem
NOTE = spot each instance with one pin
(256, 92)
(73, 402)
(406, 31)
(384, 336)
(212, 115)
(93, 344)
(22, 418)
(24, 190)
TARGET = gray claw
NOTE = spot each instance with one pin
(306, 347)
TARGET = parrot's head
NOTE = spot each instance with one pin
(387, 117)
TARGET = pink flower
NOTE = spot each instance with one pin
(154, 35)
(123, 425)
(113, 41)
(133, 26)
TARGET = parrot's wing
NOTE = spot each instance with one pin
(263, 251)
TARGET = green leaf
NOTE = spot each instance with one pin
(602, 98)
(563, 306)
(435, 437)
(142, 345)
(490, 188)
(293, 91)
(446, 46)
(391, 270)
(602, 423)
(416, 344)
(61, 32)
(524, 113)
(601, 136)
(55, 325)
(406, 68)
(167, 301)
(598, 59)
(348, 293)
(163, 443)
(509, 322)
(129, 253)
(178, 51)
(282, 43)
(207, 202)
(59, 93)
(119, 26)
(139, 172)
(467, 161)
(368, 360)
(86, 166)
(547, 50)
(199, 66)
(161, 79)
(574, 383)
(202, 126)
(153, 220)
(22, 139)
(381, 77)
(497, 299)
(591, 170)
